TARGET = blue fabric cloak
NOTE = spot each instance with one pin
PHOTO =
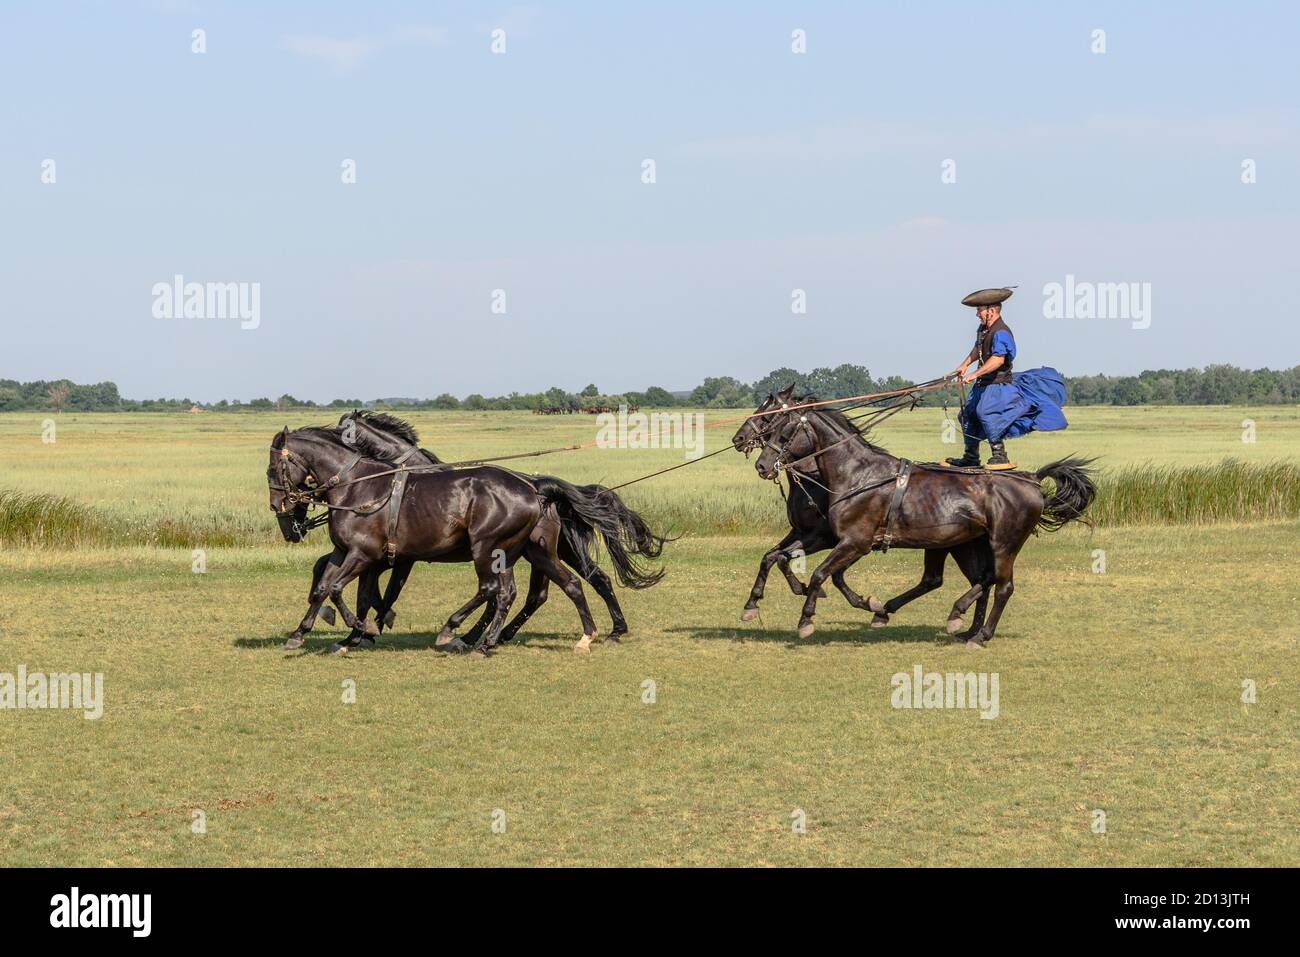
(1030, 402)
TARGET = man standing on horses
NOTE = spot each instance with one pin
(1002, 405)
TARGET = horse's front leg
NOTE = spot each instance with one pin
(384, 613)
(354, 563)
(367, 598)
(799, 550)
(844, 554)
(472, 636)
(770, 557)
(321, 575)
(327, 612)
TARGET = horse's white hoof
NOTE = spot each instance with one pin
(445, 637)
(584, 643)
(807, 630)
(749, 614)
(875, 604)
(389, 618)
(954, 625)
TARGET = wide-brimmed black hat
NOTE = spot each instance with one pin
(987, 297)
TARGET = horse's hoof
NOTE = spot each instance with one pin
(454, 646)
(370, 628)
(445, 637)
(974, 643)
(954, 625)
(584, 643)
(613, 638)
(806, 630)
(749, 614)
(875, 604)
(339, 648)
(327, 613)
(294, 643)
(389, 617)
(880, 621)
(478, 651)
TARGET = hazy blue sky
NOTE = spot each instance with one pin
(522, 171)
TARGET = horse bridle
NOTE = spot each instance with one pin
(302, 493)
(802, 426)
(760, 439)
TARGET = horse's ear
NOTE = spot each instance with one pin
(786, 392)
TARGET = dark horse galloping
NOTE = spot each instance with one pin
(626, 536)
(877, 500)
(484, 515)
(811, 532)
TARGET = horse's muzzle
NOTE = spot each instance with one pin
(293, 525)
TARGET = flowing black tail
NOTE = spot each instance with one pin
(1073, 494)
(588, 509)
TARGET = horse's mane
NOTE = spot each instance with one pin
(841, 420)
(391, 424)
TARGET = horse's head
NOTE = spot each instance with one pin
(286, 476)
(752, 431)
(786, 439)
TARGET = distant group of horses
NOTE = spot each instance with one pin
(392, 503)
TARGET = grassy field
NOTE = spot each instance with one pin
(198, 480)
(1120, 691)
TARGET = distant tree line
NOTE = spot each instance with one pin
(1214, 385)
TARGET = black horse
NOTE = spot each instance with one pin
(387, 438)
(810, 532)
(483, 515)
(876, 500)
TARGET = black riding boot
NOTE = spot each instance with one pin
(998, 460)
(972, 457)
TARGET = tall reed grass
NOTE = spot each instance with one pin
(1226, 491)
(30, 520)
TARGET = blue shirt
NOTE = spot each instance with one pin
(1003, 344)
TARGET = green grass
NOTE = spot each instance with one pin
(199, 480)
(33, 520)
(1120, 690)
(1226, 491)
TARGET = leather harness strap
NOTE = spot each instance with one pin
(883, 539)
(394, 513)
(395, 503)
